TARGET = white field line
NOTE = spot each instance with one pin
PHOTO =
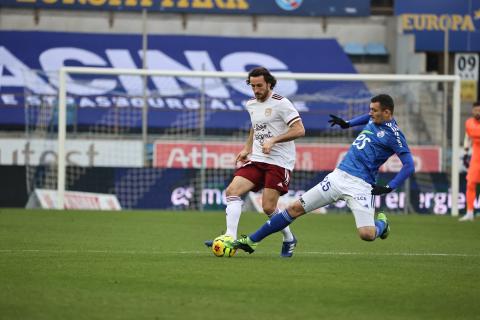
(308, 253)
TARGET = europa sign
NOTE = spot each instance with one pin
(310, 157)
(429, 20)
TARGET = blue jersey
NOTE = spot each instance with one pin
(373, 146)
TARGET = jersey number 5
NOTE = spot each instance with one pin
(361, 141)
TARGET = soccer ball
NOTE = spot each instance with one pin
(220, 247)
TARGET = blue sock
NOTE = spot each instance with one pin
(380, 226)
(278, 222)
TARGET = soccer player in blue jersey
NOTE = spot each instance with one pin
(354, 178)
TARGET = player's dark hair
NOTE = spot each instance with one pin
(386, 102)
(476, 104)
(261, 71)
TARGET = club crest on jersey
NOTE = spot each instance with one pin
(381, 134)
(268, 112)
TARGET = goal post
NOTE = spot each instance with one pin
(65, 72)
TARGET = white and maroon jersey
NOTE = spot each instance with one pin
(272, 118)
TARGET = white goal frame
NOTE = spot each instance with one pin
(454, 79)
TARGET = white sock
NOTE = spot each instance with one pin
(469, 213)
(233, 212)
(287, 234)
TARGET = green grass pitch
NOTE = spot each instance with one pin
(153, 265)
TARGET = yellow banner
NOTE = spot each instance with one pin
(469, 90)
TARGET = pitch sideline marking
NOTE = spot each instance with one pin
(325, 253)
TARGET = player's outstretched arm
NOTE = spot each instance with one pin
(407, 170)
(357, 121)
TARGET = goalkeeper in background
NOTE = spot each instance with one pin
(354, 178)
(268, 156)
(472, 139)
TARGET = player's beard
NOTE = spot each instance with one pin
(262, 96)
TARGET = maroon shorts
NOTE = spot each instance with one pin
(265, 175)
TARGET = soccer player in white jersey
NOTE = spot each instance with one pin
(268, 157)
(354, 178)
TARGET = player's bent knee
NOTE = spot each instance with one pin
(295, 209)
(232, 191)
(269, 209)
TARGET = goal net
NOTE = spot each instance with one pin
(168, 139)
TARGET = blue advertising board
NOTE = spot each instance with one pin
(246, 7)
(29, 64)
(428, 20)
(173, 189)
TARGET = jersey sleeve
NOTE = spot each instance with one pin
(360, 120)
(467, 128)
(408, 168)
(399, 143)
(288, 112)
(400, 147)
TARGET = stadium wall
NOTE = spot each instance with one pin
(359, 29)
(373, 29)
